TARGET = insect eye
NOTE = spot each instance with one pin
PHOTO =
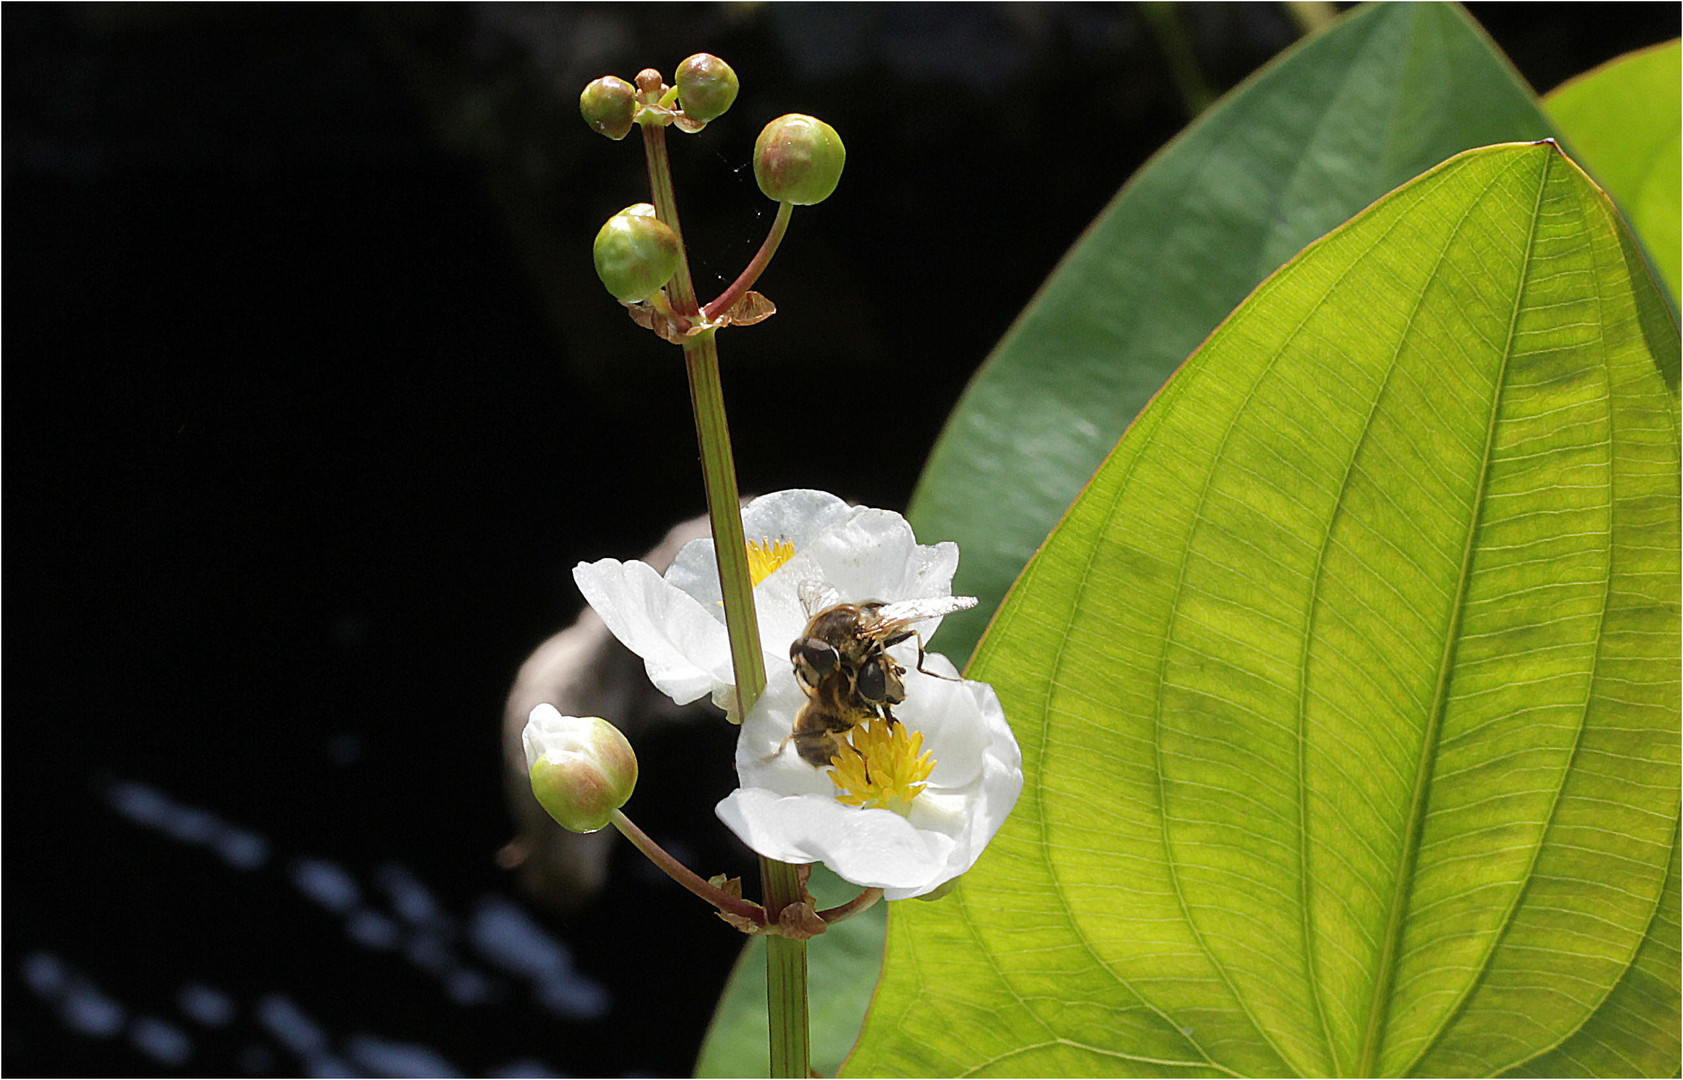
(813, 659)
(873, 681)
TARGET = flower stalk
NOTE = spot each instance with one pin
(785, 957)
(718, 471)
(785, 974)
(682, 874)
(756, 266)
(863, 902)
(666, 208)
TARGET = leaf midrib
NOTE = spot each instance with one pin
(1261, 1028)
(1596, 678)
(1379, 1009)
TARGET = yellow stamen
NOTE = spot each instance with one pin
(888, 769)
(765, 555)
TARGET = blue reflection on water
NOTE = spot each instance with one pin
(414, 925)
(411, 901)
(146, 805)
(290, 1026)
(386, 1057)
(205, 1004)
(507, 937)
(88, 1010)
(81, 1005)
(327, 883)
(161, 1040)
(45, 974)
(372, 929)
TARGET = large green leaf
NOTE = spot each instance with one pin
(1622, 122)
(1387, 93)
(1636, 1032)
(1348, 689)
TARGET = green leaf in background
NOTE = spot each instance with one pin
(1348, 689)
(1388, 92)
(1622, 122)
(842, 967)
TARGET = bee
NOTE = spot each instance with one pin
(842, 664)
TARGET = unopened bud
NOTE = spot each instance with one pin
(636, 253)
(582, 768)
(798, 159)
(706, 86)
(650, 85)
(608, 105)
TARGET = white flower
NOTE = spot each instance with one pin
(789, 811)
(676, 623)
(907, 808)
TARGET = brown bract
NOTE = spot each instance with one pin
(752, 308)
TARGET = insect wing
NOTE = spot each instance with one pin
(903, 613)
(816, 596)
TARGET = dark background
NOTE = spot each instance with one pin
(312, 401)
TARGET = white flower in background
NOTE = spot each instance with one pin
(906, 807)
(676, 623)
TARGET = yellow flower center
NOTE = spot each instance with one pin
(765, 555)
(888, 769)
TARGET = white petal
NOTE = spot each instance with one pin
(867, 847)
(865, 555)
(950, 718)
(684, 649)
(874, 556)
(694, 573)
(796, 515)
(995, 794)
(762, 759)
(538, 737)
(778, 604)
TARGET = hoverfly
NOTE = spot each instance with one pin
(842, 664)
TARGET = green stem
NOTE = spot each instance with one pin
(712, 430)
(751, 273)
(1311, 16)
(683, 875)
(785, 976)
(718, 471)
(666, 208)
(1178, 53)
(785, 957)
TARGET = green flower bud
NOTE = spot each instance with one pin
(582, 768)
(706, 86)
(636, 253)
(607, 105)
(798, 159)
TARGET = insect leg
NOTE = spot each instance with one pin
(926, 671)
(865, 761)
